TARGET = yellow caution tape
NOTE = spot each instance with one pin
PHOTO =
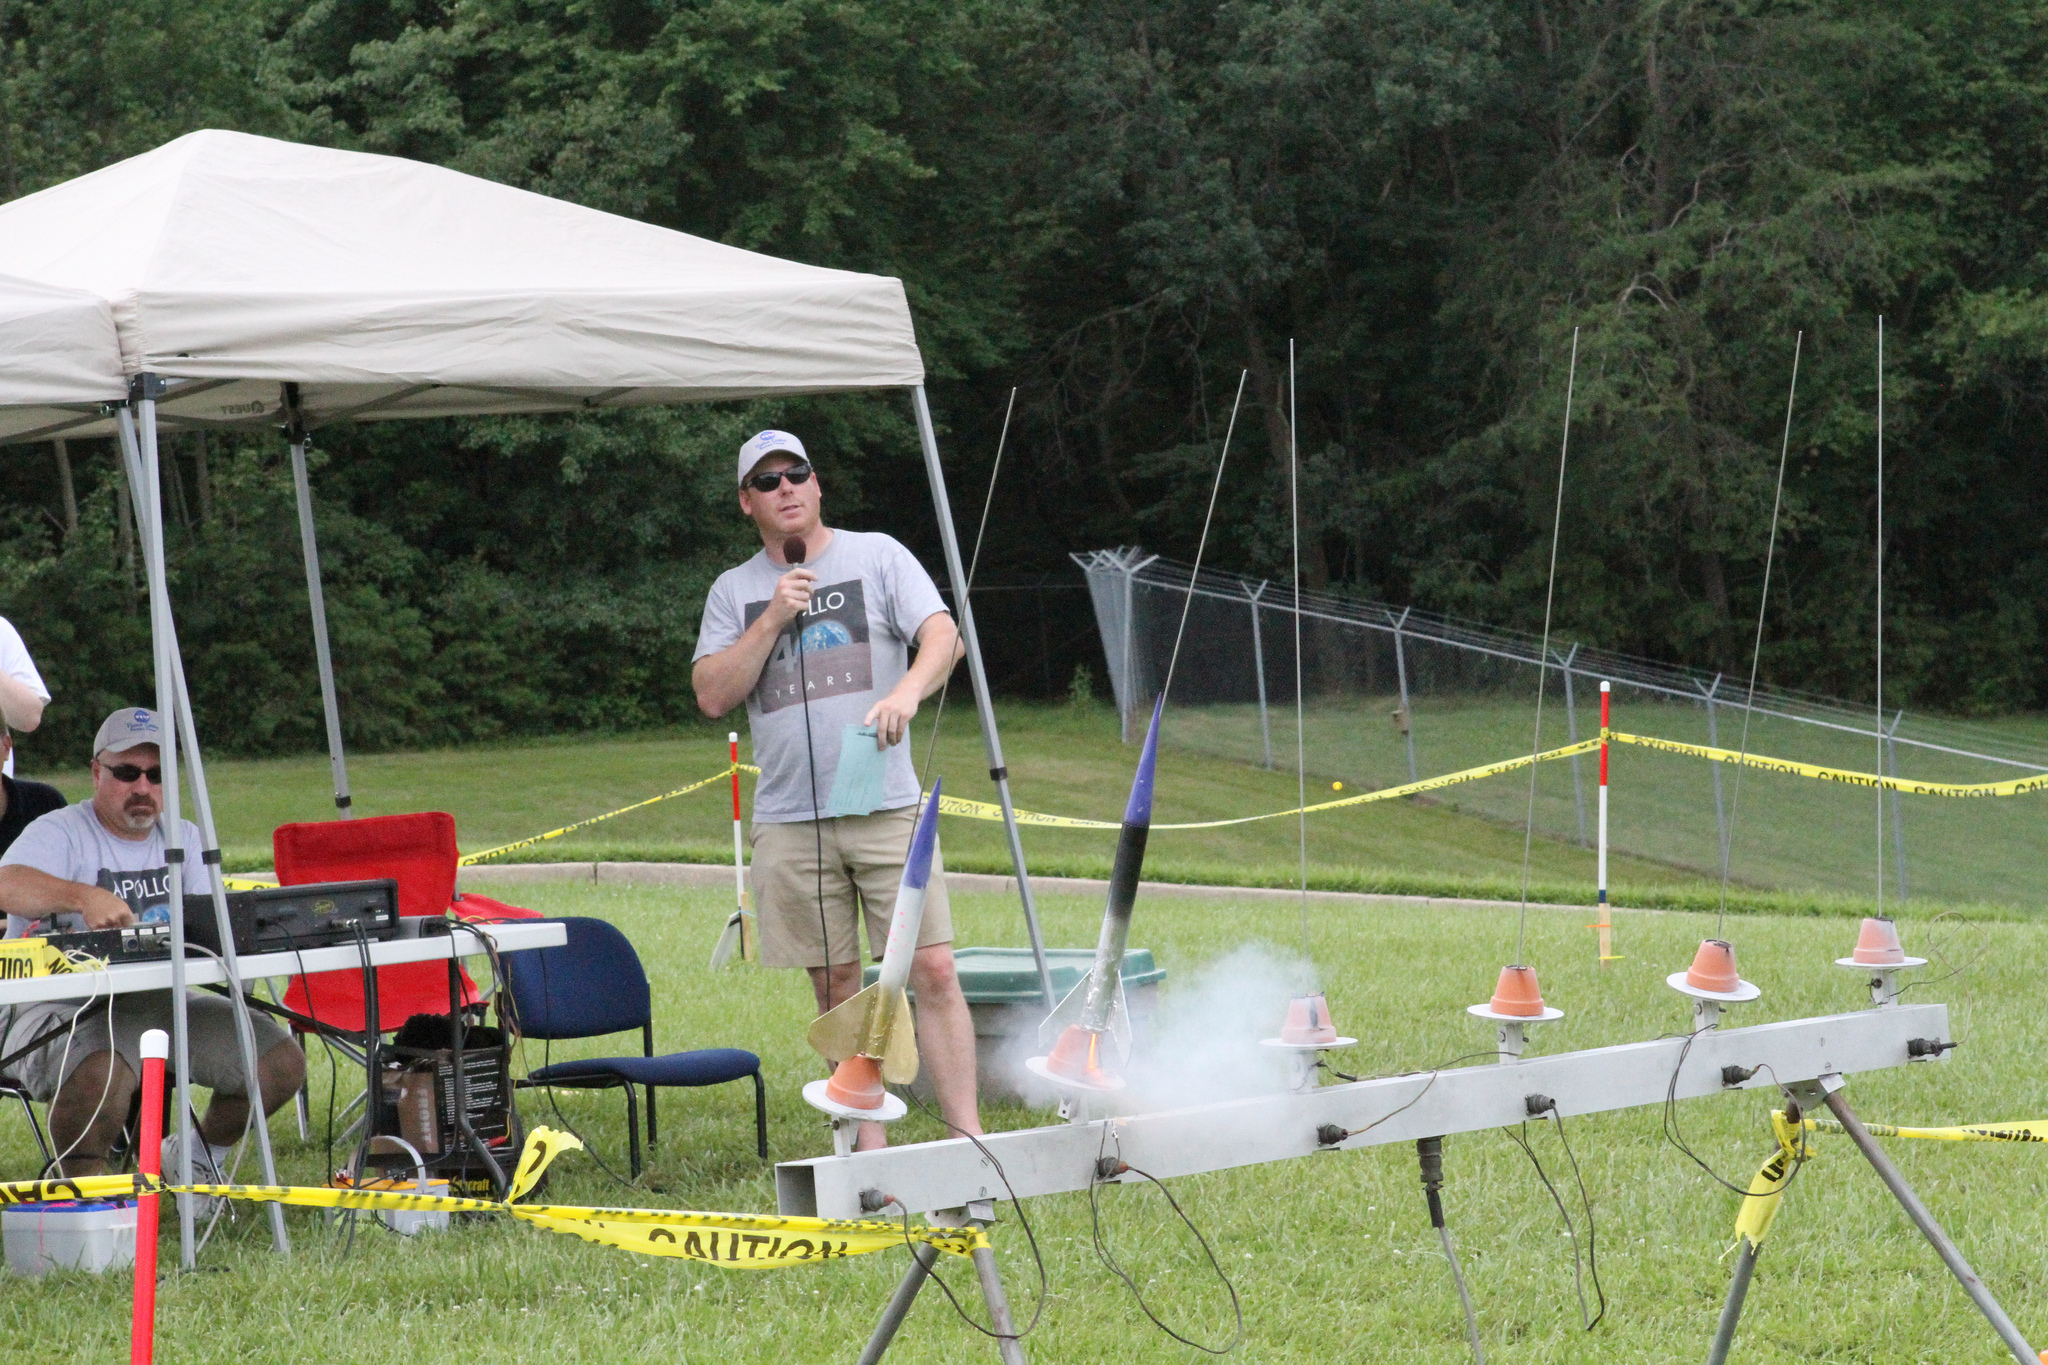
(2023, 1130)
(25, 957)
(983, 810)
(472, 858)
(2018, 786)
(736, 1241)
(1767, 1186)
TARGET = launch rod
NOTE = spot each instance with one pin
(1284, 1125)
(977, 674)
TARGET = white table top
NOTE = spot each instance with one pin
(121, 978)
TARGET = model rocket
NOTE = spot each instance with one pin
(871, 1037)
(1094, 1010)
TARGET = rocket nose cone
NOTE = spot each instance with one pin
(1139, 810)
(917, 867)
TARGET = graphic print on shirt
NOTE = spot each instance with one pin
(148, 893)
(837, 658)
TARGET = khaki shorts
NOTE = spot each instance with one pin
(216, 1049)
(864, 861)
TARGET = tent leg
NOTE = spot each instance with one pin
(186, 734)
(245, 1031)
(316, 601)
(997, 772)
(139, 425)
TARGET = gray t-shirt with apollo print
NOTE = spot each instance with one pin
(870, 597)
(72, 843)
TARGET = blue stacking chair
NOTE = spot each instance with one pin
(594, 985)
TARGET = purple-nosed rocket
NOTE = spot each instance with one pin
(1094, 1009)
(871, 1037)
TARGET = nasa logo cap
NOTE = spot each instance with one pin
(760, 446)
(126, 729)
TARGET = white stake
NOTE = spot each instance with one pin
(1606, 925)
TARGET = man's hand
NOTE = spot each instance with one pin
(892, 714)
(722, 680)
(792, 597)
(102, 909)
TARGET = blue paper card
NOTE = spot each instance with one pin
(857, 786)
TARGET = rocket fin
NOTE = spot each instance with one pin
(728, 941)
(838, 1033)
(899, 1052)
(1068, 1012)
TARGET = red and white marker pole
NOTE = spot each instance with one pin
(739, 868)
(1606, 925)
(156, 1048)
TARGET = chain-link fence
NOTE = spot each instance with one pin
(1392, 694)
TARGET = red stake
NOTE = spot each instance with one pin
(156, 1047)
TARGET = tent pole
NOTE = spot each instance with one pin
(999, 774)
(187, 734)
(143, 393)
(316, 600)
(245, 1031)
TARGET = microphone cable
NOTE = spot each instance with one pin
(794, 553)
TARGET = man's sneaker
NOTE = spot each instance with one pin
(206, 1170)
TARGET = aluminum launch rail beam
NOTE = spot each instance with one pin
(1052, 1160)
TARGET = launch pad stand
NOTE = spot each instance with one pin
(1828, 1090)
(978, 1214)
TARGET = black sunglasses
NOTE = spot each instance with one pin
(128, 772)
(769, 482)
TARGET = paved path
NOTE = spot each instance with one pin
(711, 875)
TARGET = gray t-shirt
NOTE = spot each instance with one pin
(870, 598)
(72, 843)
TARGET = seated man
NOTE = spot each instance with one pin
(100, 864)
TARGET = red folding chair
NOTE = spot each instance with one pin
(418, 852)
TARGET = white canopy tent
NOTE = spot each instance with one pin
(57, 348)
(257, 283)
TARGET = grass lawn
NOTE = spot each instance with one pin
(1794, 836)
(1334, 1257)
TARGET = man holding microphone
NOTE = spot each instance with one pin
(815, 634)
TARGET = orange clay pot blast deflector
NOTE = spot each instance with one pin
(1713, 967)
(1517, 993)
(1877, 944)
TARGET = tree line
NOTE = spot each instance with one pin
(1390, 218)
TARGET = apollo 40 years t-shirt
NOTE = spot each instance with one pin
(870, 597)
(72, 843)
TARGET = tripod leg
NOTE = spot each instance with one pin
(998, 1306)
(921, 1257)
(1931, 1230)
(1731, 1310)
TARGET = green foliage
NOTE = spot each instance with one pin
(1121, 208)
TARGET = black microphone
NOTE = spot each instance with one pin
(793, 550)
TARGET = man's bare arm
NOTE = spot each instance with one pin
(933, 648)
(723, 680)
(33, 894)
(938, 650)
(20, 704)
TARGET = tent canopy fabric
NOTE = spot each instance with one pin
(391, 288)
(57, 346)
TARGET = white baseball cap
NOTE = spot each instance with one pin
(128, 728)
(763, 444)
